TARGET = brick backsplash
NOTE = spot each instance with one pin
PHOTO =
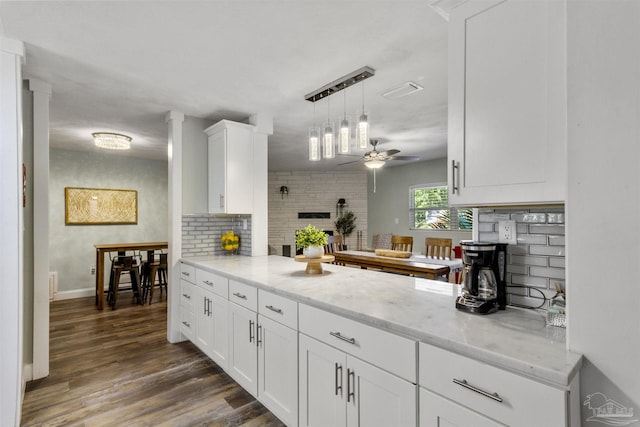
(537, 260)
(201, 234)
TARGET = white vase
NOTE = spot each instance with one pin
(313, 251)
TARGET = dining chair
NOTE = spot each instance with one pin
(402, 243)
(334, 244)
(435, 247)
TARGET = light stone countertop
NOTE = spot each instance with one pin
(515, 339)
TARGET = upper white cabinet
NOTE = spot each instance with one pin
(230, 167)
(507, 102)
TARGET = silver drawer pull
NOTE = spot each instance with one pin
(206, 282)
(184, 273)
(272, 308)
(186, 296)
(465, 384)
(340, 337)
(239, 295)
(187, 324)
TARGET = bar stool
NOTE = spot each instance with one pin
(156, 268)
(123, 264)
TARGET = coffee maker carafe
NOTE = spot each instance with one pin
(483, 277)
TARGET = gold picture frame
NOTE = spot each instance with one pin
(91, 206)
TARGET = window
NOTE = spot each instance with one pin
(429, 210)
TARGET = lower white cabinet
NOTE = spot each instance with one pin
(243, 355)
(337, 389)
(210, 312)
(436, 411)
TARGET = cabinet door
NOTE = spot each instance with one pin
(217, 171)
(219, 348)
(203, 318)
(322, 384)
(243, 355)
(507, 102)
(377, 398)
(436, 411)
(278, 369)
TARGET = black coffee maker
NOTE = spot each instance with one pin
(483, 277)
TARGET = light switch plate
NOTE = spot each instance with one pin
(507, 232)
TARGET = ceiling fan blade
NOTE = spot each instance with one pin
(348, 163)
(403, 158)
(388, 153)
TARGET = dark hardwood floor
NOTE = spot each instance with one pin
(116, 368)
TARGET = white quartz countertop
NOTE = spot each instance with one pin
(515, 339)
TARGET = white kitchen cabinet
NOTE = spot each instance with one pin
(354, 374)
(436, 411)
(211, 331)
(230, 157)
(507, 102)
(243, 356)
(187, 311)
(337, 389)
(477, 389)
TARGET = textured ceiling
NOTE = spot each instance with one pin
(120, 66)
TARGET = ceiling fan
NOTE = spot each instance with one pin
(375, 159)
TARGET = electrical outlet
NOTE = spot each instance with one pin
(507, 232)
(92, 271)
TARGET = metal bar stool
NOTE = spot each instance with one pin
(123, 264)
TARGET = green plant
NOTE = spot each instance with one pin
(310, 236)
(346, 223)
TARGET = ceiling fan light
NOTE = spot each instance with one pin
(328, 148)
(374, 164)
(111, 141)
(363, 132)
(314, 145)
(344, 139)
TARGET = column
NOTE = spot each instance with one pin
(260, 219)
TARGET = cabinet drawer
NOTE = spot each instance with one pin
(187, 323)
(472, 383)
(280, 309)
(218, 284)
(383, 349)
(188, 272)
(187, 295)
(244, 295)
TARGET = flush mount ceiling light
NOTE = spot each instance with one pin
(402, 90)
(344, 138)
(112, 141)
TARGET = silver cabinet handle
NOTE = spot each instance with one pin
(465, 384)
(239, 295)
(187, 324)
(186, 296)
(454, 174)
(351, 391)
(206, 282)
(272, 308)
(184, 273)
(251, 337)
(259, 334)
(343, 338)
(338, 387)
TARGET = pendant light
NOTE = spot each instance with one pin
(363, 127)
(314, 141)
(344, 138)
(328, 148)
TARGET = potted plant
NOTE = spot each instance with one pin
(345, 225)
(311, 240)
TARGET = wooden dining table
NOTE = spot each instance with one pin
(102, 249)
(409, 266)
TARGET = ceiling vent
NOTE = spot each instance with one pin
(402, 90)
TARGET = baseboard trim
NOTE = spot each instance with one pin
(72, 294)
(27, 375)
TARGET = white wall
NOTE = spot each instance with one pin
(603, 250)
(71, 247)
(391, 200)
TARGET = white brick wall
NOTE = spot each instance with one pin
(201, 234)
(311, 191)
(538, 258)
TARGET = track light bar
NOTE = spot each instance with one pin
(341, 83)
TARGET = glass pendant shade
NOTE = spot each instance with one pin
(344, 139)
(328, 144)
(314, 145)
(363, 132)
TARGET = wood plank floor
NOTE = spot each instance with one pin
(116, 368)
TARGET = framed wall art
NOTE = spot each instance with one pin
(90, 206)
